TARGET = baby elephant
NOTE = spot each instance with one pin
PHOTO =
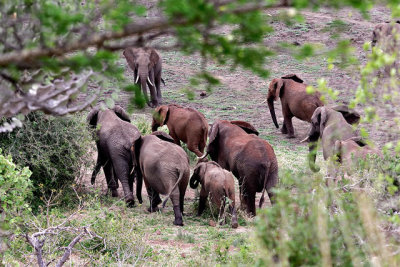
(353, 150)
(219, 184)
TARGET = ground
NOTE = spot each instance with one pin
(241, 96)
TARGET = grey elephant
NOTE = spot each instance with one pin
(217, 183)
(330, 125)
(146, 65)
(164, 167)
(114, 131)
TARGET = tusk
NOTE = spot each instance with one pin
(137, 79)
(304, 140)
(148, 79)
(202, 157)
(263, 101)
(132, 170)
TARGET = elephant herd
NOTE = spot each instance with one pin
(234, 147)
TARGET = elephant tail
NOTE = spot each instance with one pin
(181, 173)
(267, 168)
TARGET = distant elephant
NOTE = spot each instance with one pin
(165, 169)
(114, 132)
(296, 102)
(219, 184)
(146, 65)
(184, 124)
(235, 146)
(350, 152)
(330, 125)
(386, 37)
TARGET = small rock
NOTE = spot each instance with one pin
(203, 93)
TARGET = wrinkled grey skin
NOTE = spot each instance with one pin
(114, 134)
(146, 65)
(329, 125)
(164, 167)
(217, 183)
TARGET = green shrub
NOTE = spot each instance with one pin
(15, 191)
(56, 150)
(315, 225)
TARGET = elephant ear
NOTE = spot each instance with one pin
(92, 117)
(213, 134)
(322, 119)
(293, 77)
(121, 113)
(154, 57)
(275, 89)
(129, 54)
(162, 112)
(163, 136)
(350, 115)
(247, 127)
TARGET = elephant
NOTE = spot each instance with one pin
(146, 64)
(165, 169)
(330, 125)
(236, 147)
(296, 102)
(350, 152)
(113, 142)
(386, 37)
(219, 184)
(184, 124)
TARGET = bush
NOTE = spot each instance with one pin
(312, 224)
(56, 150)
(15, 190)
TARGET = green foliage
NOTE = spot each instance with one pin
(56, 150)
(314, 225)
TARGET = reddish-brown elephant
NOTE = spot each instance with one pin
(184, 124)
(235, 146)
(217, 183)
(296, 102)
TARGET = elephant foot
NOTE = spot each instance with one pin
(284, 131)
(234, 224)
(178, 222)
(290, 136)
(178, 216)
(130, 203)
(153, 209)
(114, 193)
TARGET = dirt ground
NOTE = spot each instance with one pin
(241, 94)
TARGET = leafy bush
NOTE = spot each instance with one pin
(312, 224)
(56, 150)
(15, 190)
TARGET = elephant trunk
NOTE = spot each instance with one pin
(143, 73)
(272, 111)
(139, 184)
(194, 181)
(312, 155)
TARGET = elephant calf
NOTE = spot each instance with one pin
(164, 167)
(219, 184)
(353, 150)
(184, 124)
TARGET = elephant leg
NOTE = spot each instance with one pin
(112, 183)
(289, 126)
(284, 128)
(154, 199)
(181, 200)
(139, 184)
(177, 210)
(121, 171)
(250, 199)
(232, 211)
(195, 149)
(202, 205)
(158, 84)
(101, 160)
(175, 137)
(221, 206)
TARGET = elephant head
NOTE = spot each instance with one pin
(160, 117)
(350, 115)
(275, 90)
(142, 62)
(93, 115)
(198, 175)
